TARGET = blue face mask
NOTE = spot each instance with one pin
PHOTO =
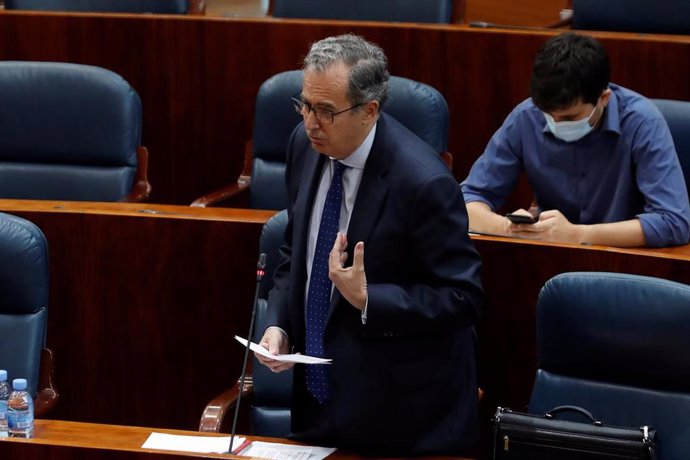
(570, 131)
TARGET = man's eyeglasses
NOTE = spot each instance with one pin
(323, 115)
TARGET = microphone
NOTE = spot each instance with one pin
(260, 266)
(491, 25)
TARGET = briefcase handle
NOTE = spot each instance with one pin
(551, 413)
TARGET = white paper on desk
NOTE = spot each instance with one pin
(294, 358)
(204, 444)
(277, 451)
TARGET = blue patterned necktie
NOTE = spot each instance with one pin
(319, 296)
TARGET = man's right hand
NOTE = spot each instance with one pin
(275, 341)
(483, 220)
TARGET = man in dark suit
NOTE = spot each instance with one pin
(396, 317)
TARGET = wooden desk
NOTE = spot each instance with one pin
(60, 440)
(144, 302)
(198, 79)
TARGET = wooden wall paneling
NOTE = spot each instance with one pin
(538, 13)
(143, 310)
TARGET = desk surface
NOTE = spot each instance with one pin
(136, 210)
(674, 252)
(57, 440)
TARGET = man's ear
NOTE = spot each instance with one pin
(370, 111)
(605, 96)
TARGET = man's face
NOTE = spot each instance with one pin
(327, 92)
(581, 110)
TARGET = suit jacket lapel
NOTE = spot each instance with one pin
(302, 210)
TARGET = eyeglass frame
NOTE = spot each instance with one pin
(299, 106)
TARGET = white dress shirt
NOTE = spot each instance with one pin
(352, 177)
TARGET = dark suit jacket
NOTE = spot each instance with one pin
(405, 382)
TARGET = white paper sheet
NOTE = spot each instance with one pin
(292, 358)
(204, 444)
(276, 451)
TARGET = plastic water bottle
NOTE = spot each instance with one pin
(5, 389)
(20, 410)
(3, 419)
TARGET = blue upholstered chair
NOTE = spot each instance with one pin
(650, 16)
(268, 394)
(420, 107)
(69, 132)
(435, 11)
(677, 115)
(618, 346)
(24, 308)
(110, 6)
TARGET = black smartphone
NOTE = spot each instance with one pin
(521, 219)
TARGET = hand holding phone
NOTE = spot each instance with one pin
(522, 218)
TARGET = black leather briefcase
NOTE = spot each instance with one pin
(542, 437)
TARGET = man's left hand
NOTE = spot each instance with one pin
(552, 226)
(351, 282)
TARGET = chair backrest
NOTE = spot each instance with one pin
(103, 6)
(435, 11)
(23, 298)
(664, 16)
(67, 132)
(618, 346)
(418, 106)
(677, 115)
(270, 410)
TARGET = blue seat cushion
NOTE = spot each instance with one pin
(104, 6)
(434, 11)
(663, 16)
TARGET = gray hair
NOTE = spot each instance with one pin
(368, 79)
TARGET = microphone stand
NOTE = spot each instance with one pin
(260, 266)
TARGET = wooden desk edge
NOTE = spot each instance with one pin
(675, 252)
(137, 210)
(261, 216)
(495, 29)
(83, 435)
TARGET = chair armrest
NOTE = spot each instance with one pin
(564, 23)
(47, 396)
(225, 193)
(447, 157)
(459, 9)
(240, 187)
(141, 188)
(197, 7)
(213, 417)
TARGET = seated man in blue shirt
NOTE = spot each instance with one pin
(599, 158)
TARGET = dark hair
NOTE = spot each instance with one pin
(368, 79)
(569, 67)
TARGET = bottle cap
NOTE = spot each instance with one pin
(3, 375)
(19, 384)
